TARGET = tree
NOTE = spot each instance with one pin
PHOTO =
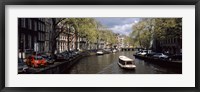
(138, 33)
(56, 32)
(129, 40)
(148, 29)
(87, 28)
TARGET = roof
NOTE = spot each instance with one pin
(124, 58)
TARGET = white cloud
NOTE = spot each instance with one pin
(136, 21)
(119, 25)
(123, 29)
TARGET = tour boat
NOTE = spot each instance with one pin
(125, 62)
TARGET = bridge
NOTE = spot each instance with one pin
(127, 49)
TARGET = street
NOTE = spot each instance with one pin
(107, 64)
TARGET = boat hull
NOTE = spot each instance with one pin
(99, 53)
(125, 67)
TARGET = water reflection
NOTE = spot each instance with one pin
(107, 64)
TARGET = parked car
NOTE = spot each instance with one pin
(29, 60)
(151, 54)
(66, 55)
(38, 61)
(48, 59)
(59, 57)
(22, 67)
(160, 55)
(69, 54)
(143, 52)
(73, 53)
(77, 52)
(175, 57)
(27, 53)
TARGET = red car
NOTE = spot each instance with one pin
(38, 61)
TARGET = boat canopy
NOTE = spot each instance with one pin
(124, 58)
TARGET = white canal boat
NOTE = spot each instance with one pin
(114, 51)
(125, 62)
(100, 52)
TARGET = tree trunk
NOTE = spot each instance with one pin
(53, 40)
(76, 40)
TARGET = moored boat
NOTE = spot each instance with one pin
(114, 51)
(127, 63)
(100, 52)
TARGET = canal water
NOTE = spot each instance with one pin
(107, 64)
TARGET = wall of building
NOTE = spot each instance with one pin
(34, 34)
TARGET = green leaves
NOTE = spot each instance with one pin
(90, 29)
(156, 28)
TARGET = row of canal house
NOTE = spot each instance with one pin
(69, 35)
(36, 34)
(169, 45)
(120, 43)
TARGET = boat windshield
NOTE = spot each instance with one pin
(129, 63)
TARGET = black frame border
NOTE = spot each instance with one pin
(3, 3)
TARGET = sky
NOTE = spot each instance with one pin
(118, 24)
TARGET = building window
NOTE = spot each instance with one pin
(35, 25)
(23, 22)
(35, 39)
(43, 27)
(29, 23)
(46, 36)
(38, 25)
(22, 41)
(29, 42)
(175, 40)
(39, 36)
(47, 28)
(35, 43)
(43, 37)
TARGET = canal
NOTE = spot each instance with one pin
(107, 64)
